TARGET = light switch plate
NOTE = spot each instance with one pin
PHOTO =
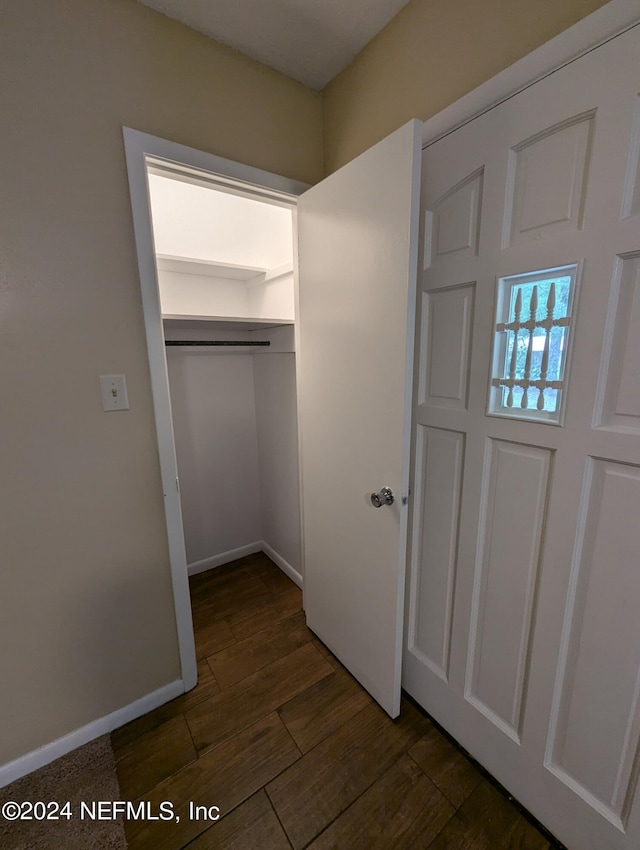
(113, 389)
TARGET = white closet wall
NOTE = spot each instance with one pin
(191, 295)
(263, 296)
(194, 221)
(214, 420)
(271, 296)
(236, 434)
(277, 429)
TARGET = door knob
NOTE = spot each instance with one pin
(384, 497)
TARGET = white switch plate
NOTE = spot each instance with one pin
(113, 389)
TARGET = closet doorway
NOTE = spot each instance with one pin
(214, 242)
(356, 237)
(225, 277)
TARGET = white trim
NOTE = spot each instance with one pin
(241, 552)
(232, 173)
(139, 147)
(285, 566)
(223, 558)
(26, 764)
(592, 31)
(136, 145)
(297, 348)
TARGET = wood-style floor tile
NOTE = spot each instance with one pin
(221, 583)
(320, 710)
(246, 657)
(275, 579)
(206, 688)
(446, 766)
(318, 787)
(214, 720)
(223, 777)
(400, 810)
(252, 825)
(153, 757)
(488, 821)
(227, 597)
(292, 749)
(228, 574)
(255, 618)
(212, 638)
(263, 565)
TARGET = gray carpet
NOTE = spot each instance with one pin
(87, 774)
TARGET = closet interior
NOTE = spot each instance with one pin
(225, 274)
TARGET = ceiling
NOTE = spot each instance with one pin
(309, 40)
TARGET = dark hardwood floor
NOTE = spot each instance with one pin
(292, 750)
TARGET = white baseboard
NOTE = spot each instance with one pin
(223, 558)
(26, 764)
(285, 566)
(250, 549)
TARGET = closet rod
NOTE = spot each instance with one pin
(228, 342)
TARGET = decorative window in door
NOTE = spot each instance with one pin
(531, 345)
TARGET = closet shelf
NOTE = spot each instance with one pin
(208, 268)
(221, 323)
(233, 343)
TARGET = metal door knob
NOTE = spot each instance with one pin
(384, 497)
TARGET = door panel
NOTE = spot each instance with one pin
(601, 645)
(440, 455)
(357, 236)
(512, 518)
(522, 636)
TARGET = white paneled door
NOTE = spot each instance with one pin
(523, 632)
(357, 235)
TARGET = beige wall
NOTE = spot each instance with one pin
(86, 614)
(428, 56)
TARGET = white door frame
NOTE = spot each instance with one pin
(601, 26)
(139, 148)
